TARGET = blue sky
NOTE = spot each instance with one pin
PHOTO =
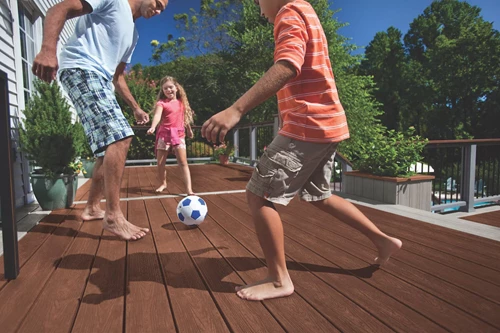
(365, 19)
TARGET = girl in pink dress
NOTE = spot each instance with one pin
(174, 117)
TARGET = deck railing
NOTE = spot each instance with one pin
(467, 172)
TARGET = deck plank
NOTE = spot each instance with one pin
(55, 309)
(491, 218)
(17, 297)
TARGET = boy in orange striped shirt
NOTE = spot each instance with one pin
(300, 159)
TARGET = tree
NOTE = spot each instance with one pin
(385, 59)
(447, 82)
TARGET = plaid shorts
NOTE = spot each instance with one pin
(95, 103)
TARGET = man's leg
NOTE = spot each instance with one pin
(92, 210)
(114, 165)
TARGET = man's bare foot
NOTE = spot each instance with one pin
(90, 214)
(265, 289)
(124, 229)
(161, 188)
(386, 249)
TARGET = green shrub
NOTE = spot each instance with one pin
(391, 153)
(49, 137)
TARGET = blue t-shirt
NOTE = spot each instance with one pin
(102, 39)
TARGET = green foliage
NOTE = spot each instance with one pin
(391, 153)
(445, 80)
(49, 137)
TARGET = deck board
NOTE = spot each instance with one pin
(74, 277)
(491, 218)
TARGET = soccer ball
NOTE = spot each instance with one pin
(192, 210)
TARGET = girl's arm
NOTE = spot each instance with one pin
(189, 131)
(156, 119)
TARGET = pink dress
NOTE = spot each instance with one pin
(170, 131)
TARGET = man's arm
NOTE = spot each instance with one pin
(45, 64)
(121, 88)
(268, 85)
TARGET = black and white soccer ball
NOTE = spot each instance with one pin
(192, 210)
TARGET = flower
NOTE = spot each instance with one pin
(224, 149)
(77, 167)
(154, 42)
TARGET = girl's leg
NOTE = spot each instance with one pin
(162, 172)
(181, 156)
(269, 230)
(350, 215)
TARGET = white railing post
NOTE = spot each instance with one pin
(468, 177)
(236, 140)
(253, 143)
(276, 125)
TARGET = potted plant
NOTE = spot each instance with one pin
(52, 143)
(223, 151)
(88, 160)
(384, 170)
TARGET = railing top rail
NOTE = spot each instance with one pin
(434, 143)
(264, 123)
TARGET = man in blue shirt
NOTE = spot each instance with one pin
(90, 64)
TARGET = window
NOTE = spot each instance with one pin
(27, 33)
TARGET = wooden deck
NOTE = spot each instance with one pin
(490, 218)
(75, 278)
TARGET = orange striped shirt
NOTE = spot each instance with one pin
(309, 104)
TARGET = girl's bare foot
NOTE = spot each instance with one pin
(90, 214)
(161, 188)
(265, 289)
(386, 248)
(123, 228)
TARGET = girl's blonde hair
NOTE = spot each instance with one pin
(181, 94)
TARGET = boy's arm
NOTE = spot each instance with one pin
(268, 85)
(45, 64)
(121, 87)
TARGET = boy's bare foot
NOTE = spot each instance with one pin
(265, 289)
(90, 214)
(386, 249)
(161, 188)
(124, 229)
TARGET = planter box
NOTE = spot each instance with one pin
(415, 191)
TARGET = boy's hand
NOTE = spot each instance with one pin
(45, 66)
(141, 117)
(220, 124)
(151, 130)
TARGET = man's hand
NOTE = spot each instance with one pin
(141, 117)
(45, 65)
(220, 124)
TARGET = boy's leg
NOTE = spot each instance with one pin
(269, 230)
(352, 216)
(161, 170)
(92, 210)
(317, 191)
(114, 165)
(180, 154)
